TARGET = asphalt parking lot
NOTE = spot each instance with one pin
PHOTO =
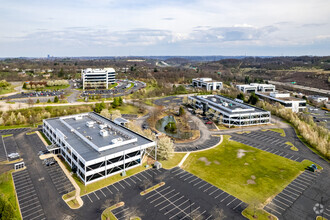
(187, 147)
(283, 201)
(29, 203)
(174, 200)
(59, 179)
(171, 100)
(268, 141)
(10, 144)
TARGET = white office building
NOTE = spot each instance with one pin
(230, 112)
(207, 84)
(256, 87)
(94, 146)
(318, 98)
(98, 78)
(295, 104)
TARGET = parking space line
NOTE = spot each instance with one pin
(168, 198)
(158, 191)
(193, 180)
(102, 193)
(208, 188)
(182, 171)
(143, 175)
(37, 216)
(298, 186)
(171, 203)
(120, 184)
(152, 171)
(40, 210)
(191, 213)
(281, 202)
(126, 182)
(176, 170)
(33, 195)
(219, 194)
(29, 205)
(147, 173)
(18, 190)
(289, 196)
(214, 191)
(274, 210)
(293, 189)
(163, 195)
(182, 210)
(37, 206)
(115, 187)
(231, 201)
(131, 179)
(291, 157)
(277, 206)
(284, 199)
(120, 211)
(89, 198)
(238, 205)
(188, 177)
(198, 182)
(184, 175)
(22, 203)
(225, 198)
(300, 182)
(176, 207)
(203, 185)
(290, 192)
(137, 177)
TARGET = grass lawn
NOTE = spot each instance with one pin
(7, 90)
(131, 86)
(174, 161)
(51, 88)
(292, 146)
(16, 126)
(8, 191)
(107, 214)
(278, 130)
(256, 176)
(112, 85)
(7, 135)
(45, 138)
(127, 109)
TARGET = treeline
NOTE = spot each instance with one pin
(32, 116)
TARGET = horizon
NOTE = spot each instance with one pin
(85, 28)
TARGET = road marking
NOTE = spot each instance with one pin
(89, 198)
(143, 175)
(163, 195)
(115, 187)
(171, 203)
(37, 216)
(203, 185)
(193, 180)
(96, 196)
(219, 194)
(168, 198)
(132, 180)
(192, 212)
(184, 175)
(301, 182)
(121, 185)
(214, 191)
(274, 210)
(291, 192)
(188, 177)
(102, 193)
(237, 205)
(231, 201)
(147, 173)
(28, 205)
(285, 199)
(176, 207)
(208, 188)
(180, 172)
(291, 157)
(137, 177)
(225, 198)
(277, 205)
(182, 210)
(176, 170)
(158, 191)
(293, 189)
(289, 196)
(126, 182)
(281, 202)
(152, 171)
(37, 206)
(198, 182)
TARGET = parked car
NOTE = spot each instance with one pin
(208, 122)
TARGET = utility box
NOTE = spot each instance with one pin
(157, 165)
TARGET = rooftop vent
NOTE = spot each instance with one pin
(90, 124)
(116, 140)
(78, 117)
(102, 126)
(104, 133)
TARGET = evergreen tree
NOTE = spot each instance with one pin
(55, 99)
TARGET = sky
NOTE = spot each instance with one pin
(36, 28)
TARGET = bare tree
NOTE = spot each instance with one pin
(196, 215)
(107, 203)
(133, 213)
(218, 213)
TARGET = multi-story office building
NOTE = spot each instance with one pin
(98, 78)
(256, 87)
(230, 112)
(295, 104)
(94, 146)
(206, 83)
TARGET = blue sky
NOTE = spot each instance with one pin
(172, 27)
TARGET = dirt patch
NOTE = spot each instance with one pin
(250, 182)
(253, 177)
(205, 160)
(216, 162)
(246, 164)
(241, 153)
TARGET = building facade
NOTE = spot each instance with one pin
(256, 87)
(94, 146)
(295, 104)
(98, 78)
(207, 84)
(230, 112)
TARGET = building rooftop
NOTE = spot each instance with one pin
(227, 105)
(206, 80)
(280, 96)
(94, 136)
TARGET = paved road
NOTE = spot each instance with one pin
(323, 91)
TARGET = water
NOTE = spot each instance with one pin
(160, 126)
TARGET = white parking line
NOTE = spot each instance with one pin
(177, 207)
(293, 189)
(281, 202)
(191, 213)
(115, 187)
(184, 175)
(25, 187)
(158, 191)
(147, 173)
(152, 171)
(182, 171)
(168, 198)
(289, 195)
(310, 178)
(225, 198)
(132, 180)
(25, 197)
(96, 196)
(219, 194)
(295, 185)
(274, 210)
(102, 193)
(213, 191)
(23, 183)
(182, 210)
(121, 185)
(310, 174)
(37, 206)
(120, 211)
(28, 205)
(163, 195)
(188, 177)
(301, 182)
(126, 182)
(231, 201)
(89, 198)
(198, 182)
(277, 206)
(40, 210)
(137, 177)
(291, 157)
(285, 199)
(297, 159)
(38, 216)
(208, 188)
(171, 203)
(290, 192)
(176, 170)
(22, 203)
(281, 153)
(143, 175)
(237, 205)
(203, 185)
(193, 180)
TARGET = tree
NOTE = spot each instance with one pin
(107, 203)
(24, 85)
(56, 99)
(115, 114)
(38, 101)
(115, 102)
(99, 107)
(165, 148)
(218, 213)
(49, 101)
(241, 96)
(181, 111)
(6, 209)
(253, 99)
(120, 100)
(105, 113)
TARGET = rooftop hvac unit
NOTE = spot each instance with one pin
(78, 117)
(116, 140)
(90, 124)
(213, 99)
(225, 104)
(104, 133)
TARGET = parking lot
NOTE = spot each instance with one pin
(290, 193)
(28, 200)
(268, 141)
(186, 147)
(59, 179)
(171, 100)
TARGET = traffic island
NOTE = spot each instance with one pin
(152, 188)
(107, 213)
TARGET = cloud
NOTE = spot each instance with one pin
(168, 19)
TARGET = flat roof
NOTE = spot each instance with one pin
(227, 105)
(285, 99)
(80, 138)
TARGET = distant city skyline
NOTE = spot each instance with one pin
(159, 28)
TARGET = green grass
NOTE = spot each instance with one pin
(107, 214)
(174, 161)
(113, 85)
(7, 90)
(321, 218)
(45, 138)
(8, 191)
(278, 130)
(292, 146)
(152, 188)
(259, 213)
(127, 109)
(7, 135)
(29, 133)
(148, 102)
(51, 88)
(272, 172)
(15, 126)
(131, 86)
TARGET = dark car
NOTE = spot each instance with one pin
(209, 122)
